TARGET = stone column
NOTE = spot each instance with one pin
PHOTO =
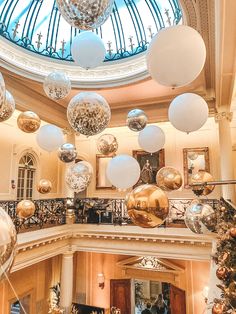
(66, 282)
(226, 154)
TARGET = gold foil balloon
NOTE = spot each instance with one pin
(2, 91)
(25, 209)
(107, 144)
(67, 152)
(79, 176)
(88, 113)
(136, 120)
(86, 15)
(57, 85)
(200, 217)
(28, 122)
(169, 179)
(44, 186)
(7, 242)
(202, 177)
(7, 108)
(147, 206)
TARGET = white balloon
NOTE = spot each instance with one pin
(123, 171)
(151, 139)
(88, 50)
(188, 112)
(50, 137)
(176, 56)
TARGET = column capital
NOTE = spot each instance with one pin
(224, 115)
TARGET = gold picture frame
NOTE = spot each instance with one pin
(195, 159)
(101, 164)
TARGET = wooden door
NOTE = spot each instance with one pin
(177, 300)
(120, 295)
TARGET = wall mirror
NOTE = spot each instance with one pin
(101, 165)
(195, 159)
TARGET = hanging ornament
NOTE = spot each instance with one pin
(88, 113)
(85, 15)
(232, 232)
(188, 112)
(147, 206)
(218, 308)
(83, 47)
(200, 217)
(2, 91)
(57, 85)
(50, 137)
(136, 120)
(25, 209)
(28, 122)
(7, 242)
(44, 186)
(107, 144)
(202, 177)
(7, 108)
(222, 273)
(151, 139)
(169, 179)
(67, 152)
(79, 176)
(176, 56)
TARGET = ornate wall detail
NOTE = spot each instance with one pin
(224, 116)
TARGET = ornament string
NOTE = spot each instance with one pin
(14, 291)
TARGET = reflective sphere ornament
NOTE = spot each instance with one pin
(169, 179)
(88, 50)
(147, 206)
(107, 144)
(85, 15)
(28, 122)
(200, 218)
(25, 209)
(123, 171)
(188, 112)
(202, 177)
(57, 85)
(218, 308)
(50, 137)
(8, 240)
(222, 273)
(79, 176)
(232, 232)
(151, 139)
(67, 152)
(7, 108)
(88, 113)
(2, 91)
(136, 120)
(44, 186)
(176, 56)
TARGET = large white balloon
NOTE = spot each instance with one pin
(151, 139)
(188, 112)
(88, 50)
(123, 171)
(176, 56)
(50, 137)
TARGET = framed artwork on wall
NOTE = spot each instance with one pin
(101, 165)
(149, 165)
(195, 159)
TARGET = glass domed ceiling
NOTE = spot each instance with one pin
(37, 25)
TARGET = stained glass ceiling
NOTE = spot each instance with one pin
(37, 26)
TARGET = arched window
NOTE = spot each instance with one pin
(26, 177)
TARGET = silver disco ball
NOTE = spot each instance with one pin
(57, 85)
(136, 120)
(67, 152)
(7, 242)
(200, 218)
(84, 14)
(88, 113)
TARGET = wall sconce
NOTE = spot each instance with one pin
(13, 185)
(205, 293)
(101, 280)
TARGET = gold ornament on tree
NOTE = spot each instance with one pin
(44, 186)
(28, 122)
(232, 232)
(107, 144)
(7, 108)
(218, 308)
(222, 273)
(148, 206)
(202, 177)
(25, 209)
(169, 179)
